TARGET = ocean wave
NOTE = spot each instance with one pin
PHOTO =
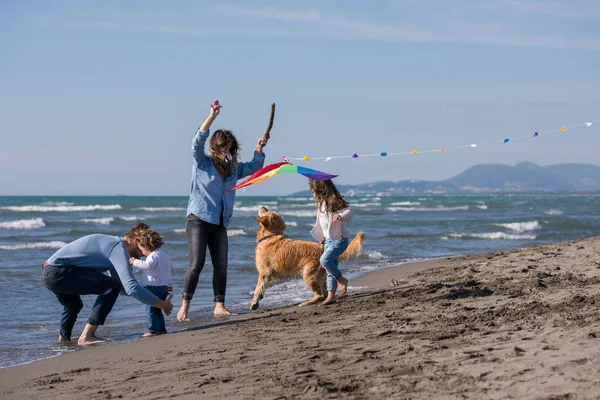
(372, 255)
(250, 208)
(94, 207)
(521, 226)
(158, 209)
(296, 198)
(406, 203)
(292, 223)
(34, 223)
(305, 205)
(489, 236)
(482, 205)
(438, 208)
(298, 213)
(131, 218)
(101, 221)
(38, 245)
(236, 232)
(179, 230)
(553, 212)
(57, 203)
(365, 205)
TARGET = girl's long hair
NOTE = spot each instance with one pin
(326, 192)
(218, 141)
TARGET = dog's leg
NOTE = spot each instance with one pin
(259, 292)
(315, 280)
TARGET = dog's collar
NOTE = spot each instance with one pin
(265, 238)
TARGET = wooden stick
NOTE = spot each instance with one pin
(267, 134)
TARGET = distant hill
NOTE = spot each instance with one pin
(490, 178)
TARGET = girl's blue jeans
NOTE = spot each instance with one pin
(330, 260)
(156, 319)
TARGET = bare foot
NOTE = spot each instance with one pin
(182, 315)
(149, 334)
(62, 339)
(342, 286)
(328, 301)
(222, 311)
(86, 341)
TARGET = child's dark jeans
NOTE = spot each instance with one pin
(156, 319)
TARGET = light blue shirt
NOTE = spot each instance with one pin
(103, 252)
(209, 193)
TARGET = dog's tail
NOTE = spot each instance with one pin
(354, 247)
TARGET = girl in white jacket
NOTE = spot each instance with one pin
(330, 229)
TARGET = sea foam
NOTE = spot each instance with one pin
(33, 223)
(62, 208)
(101, 221)
(38, 245)
(521, 226)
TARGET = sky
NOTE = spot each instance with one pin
(103, 98)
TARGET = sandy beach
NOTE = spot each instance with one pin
(520, 324)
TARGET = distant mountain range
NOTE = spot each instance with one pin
(490, 178)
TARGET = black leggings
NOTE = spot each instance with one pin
(200, 235)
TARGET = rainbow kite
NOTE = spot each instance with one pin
(283, 168)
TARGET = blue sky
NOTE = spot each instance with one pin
(103, 98)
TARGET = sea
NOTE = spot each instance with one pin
(398, 230)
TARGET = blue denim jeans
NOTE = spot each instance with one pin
(330, 260)
(156, 319)
(200, 235)
(69, 283)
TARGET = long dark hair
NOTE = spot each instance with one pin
(326, 192)
(218, 141)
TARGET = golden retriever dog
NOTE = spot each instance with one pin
(278, 256)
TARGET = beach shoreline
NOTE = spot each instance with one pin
(519, 323)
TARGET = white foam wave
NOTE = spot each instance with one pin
(406, 203)
(292, 223)
(482, 206)
(34, 223)
(438, 208)
(490, 236)
(553, 212)
(101, 221)
(38, 245)
(131, 218)
(236, 232)
(94, 207)
(299, 213)
(158, 209)
(57, 203)
(374, 255)
(179, 230)
(305, 205)
(296, 198)
(366, 205)
(250, 209)
(521, 226)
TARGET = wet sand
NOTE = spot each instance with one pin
(521, 324)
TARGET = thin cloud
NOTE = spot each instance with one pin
(314, 24)
(337, 27)
(565, 9)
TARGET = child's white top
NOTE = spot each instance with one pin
(156, 269)
(325, 228)
(323, 219)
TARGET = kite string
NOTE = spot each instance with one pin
(442, 149)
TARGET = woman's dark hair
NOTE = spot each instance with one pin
(219, 140)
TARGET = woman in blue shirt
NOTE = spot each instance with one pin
(211, 205)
